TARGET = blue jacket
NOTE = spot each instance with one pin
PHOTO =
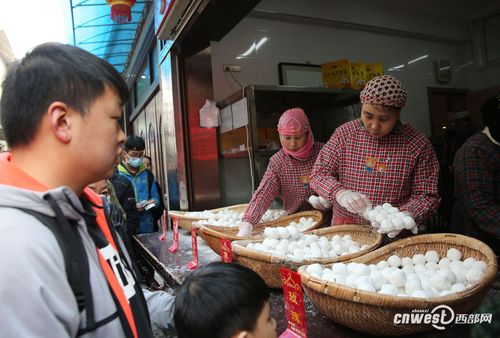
(142, 193)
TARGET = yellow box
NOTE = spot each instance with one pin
(373, 70)
(336, 74)
(358, 75)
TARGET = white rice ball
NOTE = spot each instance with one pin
(394, 261)
(479, 265)
(377, 279)
(444, 293)
(419, 294)
(361, 270)
(473, 275)
(406, 261)
(315, 270)
(353, 249)
(457, 287)
(440, 281)
(408, 269)
(347, 238)
(389, 289)
(412, 285)
(432, 266)
(339, 269)
(419, 259)
(366, 287)
(397, 278)
(340, 279)
(351, 281)
(432, 256)
(409, 222)
(444, 262)
(453, 254)
(468, 262)
(382, 265)
(283, 232)
(386, 206)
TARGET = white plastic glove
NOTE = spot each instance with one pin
(245, 229)
(319, 202)
(354, 202)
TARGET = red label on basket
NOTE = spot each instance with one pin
(194, 245)
(163, 236)
(294, 304)
(226, 254)
(175, 246)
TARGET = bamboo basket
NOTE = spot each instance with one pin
(186, 221)
(268, 265)
(212, 234)
(374, 313)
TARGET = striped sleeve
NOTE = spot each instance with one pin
(324, 175)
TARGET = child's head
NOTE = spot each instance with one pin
(223, 300)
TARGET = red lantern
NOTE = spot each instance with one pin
(121, 10)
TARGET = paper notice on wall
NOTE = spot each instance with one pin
(240, 113)
(226, 119)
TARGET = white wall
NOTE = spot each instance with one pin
(301, 43)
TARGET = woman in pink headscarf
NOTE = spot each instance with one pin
(288, 171)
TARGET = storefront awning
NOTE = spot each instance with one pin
(94, 31)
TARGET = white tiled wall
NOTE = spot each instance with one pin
(301, 43)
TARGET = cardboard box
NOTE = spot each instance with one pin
(358, 75)
(336, 74)
(373, 70)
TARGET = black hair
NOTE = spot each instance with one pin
(134, 143)
(219, 300)
(52, 72)
(490, 112)
(148, 157)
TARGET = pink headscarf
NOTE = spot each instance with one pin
(294, 122)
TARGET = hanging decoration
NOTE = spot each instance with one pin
(121, 10)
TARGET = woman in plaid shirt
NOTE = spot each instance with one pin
(476, 168)
(287, 174)
(377, 159)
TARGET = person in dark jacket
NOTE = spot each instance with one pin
(125, 194)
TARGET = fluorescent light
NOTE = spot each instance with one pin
(418, 59)
(253, 48)
(397, 67)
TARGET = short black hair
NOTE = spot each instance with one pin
(52, 72)
(219, 300)
(134, 143)
(490, 110)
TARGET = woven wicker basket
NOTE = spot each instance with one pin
(373, 313)
(186, 221)
(268, 265)
(213, 233)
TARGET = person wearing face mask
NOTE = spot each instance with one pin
(288, 171)
(377, 159)
(476, 169)
(146, 194)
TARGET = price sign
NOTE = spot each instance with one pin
(294, 305)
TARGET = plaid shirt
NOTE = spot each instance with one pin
(286, 178)
(477, 190)
(400, 168)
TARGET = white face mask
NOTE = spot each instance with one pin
(486, 131)
(135, 162)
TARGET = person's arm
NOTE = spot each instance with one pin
(265, 194)
(155, 195)
(424, 200)
(325, 170)
(161, 308)
(475, 174)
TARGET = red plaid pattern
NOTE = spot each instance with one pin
(477, 190)
(400, 168)
(286, 178)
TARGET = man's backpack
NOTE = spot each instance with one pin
(157, 211)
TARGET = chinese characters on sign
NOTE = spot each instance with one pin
(294, 305)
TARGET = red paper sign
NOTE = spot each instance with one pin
(294, 304)
(163, 236)
(175, 246)
(226, 254)
(194, 245)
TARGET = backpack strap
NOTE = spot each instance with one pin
(150, 182)
(75, 260)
